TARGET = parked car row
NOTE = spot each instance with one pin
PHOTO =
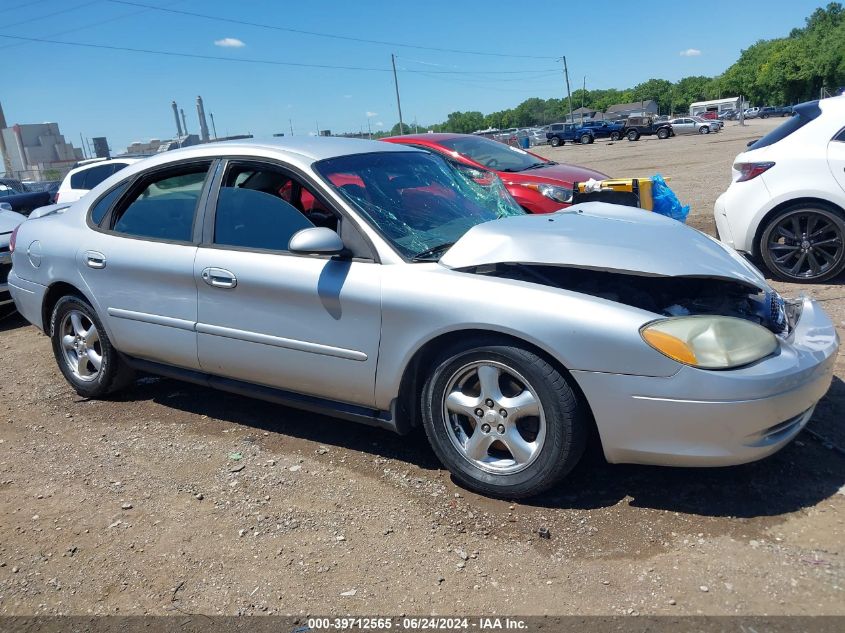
(357, 277)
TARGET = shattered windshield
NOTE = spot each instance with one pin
(420, 202)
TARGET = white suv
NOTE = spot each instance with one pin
(786, 204)
(81, 180)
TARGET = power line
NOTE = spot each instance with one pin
(245, 60)
(49, 15)
(348, 38)
(84, 26)
(87, 26)
(24, 4)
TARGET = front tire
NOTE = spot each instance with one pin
(83, 350)
(662, 133)
(503, 421)
(554, 141)
(804, 243)
(586, 139)
(614, 136)
(704, 130)
(633, 135)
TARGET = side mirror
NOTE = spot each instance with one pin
(5, 206)
(317, 240)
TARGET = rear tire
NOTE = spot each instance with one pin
(586, 139)
(633, 135)
(704, 130)
(662, 133)
(804, 243)
(614, 136)
(83, 350)
(555, 141)
(530, 448)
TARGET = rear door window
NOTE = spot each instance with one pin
(163, 205)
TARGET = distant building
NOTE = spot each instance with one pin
(585, 114)
(717, 105)
(155, 145)
(638, 108)
(101, 147)
(37, 151)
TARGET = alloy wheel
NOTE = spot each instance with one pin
(805, 244)
(81, 346)
(494, 417)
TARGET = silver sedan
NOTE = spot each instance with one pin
(691, 125)
(387, 285)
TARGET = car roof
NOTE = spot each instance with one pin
(311, 147)
(434, 137)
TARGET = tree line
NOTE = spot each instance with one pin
(781, 71)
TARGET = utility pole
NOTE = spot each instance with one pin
(82, 141)
(290, 123)
(369, 129)
(213, 127)
(583, 96)
(398, 102)
(568, 92)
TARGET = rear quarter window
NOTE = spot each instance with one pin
(804, 113)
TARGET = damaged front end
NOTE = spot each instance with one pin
(665, 296)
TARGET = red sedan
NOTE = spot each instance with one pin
(539, 185)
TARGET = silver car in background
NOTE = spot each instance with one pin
(389, 286)
(691, 125)
(9, 221)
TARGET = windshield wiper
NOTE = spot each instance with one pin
(427, 254)
(536, 166)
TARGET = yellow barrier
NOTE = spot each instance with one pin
(627, 184)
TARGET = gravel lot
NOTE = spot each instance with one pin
(177, 499)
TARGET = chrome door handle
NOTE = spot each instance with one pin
(93, 259)
(219, 278)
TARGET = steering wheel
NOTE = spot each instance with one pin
(493, 162)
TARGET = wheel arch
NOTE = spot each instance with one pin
(406, 406)
(761, 224)
(56, 291)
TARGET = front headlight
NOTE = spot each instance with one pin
(553, 192)
(710, 342)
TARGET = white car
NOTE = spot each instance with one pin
(786, 204)
(81, 180)
(752, 113)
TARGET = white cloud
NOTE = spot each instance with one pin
(691, 52)
(229, 42)
(369, 114)
(379, 124)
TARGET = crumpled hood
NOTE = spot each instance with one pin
(9, 220)
(602, 236)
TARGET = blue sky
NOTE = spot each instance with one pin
(126, 96)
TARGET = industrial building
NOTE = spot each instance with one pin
(35, 151)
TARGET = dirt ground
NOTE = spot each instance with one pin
(177, 499)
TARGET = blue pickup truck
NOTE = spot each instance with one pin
(19, 199)
(560, 133)
(606, 129)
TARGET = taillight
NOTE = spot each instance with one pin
(13, 239)
(747, 171)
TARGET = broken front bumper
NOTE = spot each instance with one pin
(716, 418)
